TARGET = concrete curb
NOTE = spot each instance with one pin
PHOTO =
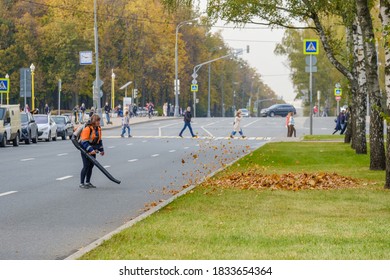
(155, 209)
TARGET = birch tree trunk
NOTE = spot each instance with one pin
(377, 148)
(385, 18)
(360, 100)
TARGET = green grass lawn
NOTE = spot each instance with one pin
(222, 222)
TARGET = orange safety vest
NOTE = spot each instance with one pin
(88, 134)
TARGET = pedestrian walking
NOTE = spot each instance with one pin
(340, 121)
(81, 113)
(287, 124)
(126, 125)
(291, 125)
(107, 110)
(91, 142)
(47, 109)
(187, 123)
(237, 125)
(346, 117)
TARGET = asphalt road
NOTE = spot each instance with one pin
(45, 215)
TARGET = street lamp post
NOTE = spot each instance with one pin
(112, 89)
(96, 95)
(7, 77)
(176, 82)
(32, 68)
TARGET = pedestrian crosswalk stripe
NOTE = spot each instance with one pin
(199, 138)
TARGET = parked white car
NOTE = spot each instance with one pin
(47, 128)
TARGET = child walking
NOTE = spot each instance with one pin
(126, 124)
(236, 125)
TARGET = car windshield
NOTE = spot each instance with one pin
(41, 119)
(23, 118)
(59, 120)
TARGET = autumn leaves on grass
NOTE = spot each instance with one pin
(252, 179)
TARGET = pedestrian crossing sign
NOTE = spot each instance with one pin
(4, 85)
(310, 46)
(194, 87)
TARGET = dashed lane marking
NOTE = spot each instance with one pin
(155, 155)
(63, 154)
(64, 178)
(27, 159)
(133, 160)
(7, 193)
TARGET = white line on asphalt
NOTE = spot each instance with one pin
(7, 193)
(144, 141)
(172, 151)
(185, 148)
(132, 160)
(250, 123)
(64, 178)
(107, 166)
(111, 147)
(208, 132)
(60, 155)
(27, 159)
(155, 155)
(129, 144)
(159, 129)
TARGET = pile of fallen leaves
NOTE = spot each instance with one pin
(252, 179)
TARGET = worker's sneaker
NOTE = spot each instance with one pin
(84, 186)
(90, 186)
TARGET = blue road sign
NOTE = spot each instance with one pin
(310, 46)
(4, 85)
(194, 87)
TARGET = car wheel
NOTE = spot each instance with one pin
(16, 140)
(35, 139)
(4, 140)
(272, 114)
(28, 139)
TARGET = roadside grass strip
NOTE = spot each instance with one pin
(236, 216)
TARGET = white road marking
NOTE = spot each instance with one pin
(107, 166)
(144, 141)
(60, 155)
(132, 160)
(208, 132)
(129, 144)
(172, 151)
(159, 129)
(7, 193)
(111, 147)
(250, 123)
(64, 178)
(185, 148)
(27, 159)
(155, 155)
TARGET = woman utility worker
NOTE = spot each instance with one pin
(91, 142)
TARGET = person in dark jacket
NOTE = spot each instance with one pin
(187, 122)
(91, 142)
(340, 122)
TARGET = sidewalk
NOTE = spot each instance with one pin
(117, 121)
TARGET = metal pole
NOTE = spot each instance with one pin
(112, 89)
(25, 90)
(194, 104)
(222, 91)
(59, 97)
(208, 97)
(96, 97)
(176, 114)
(311, 92)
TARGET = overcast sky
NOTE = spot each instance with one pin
(262, 42)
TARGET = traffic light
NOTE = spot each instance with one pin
(135, 93)
(247, 48)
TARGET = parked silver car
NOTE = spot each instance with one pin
(47, 128)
